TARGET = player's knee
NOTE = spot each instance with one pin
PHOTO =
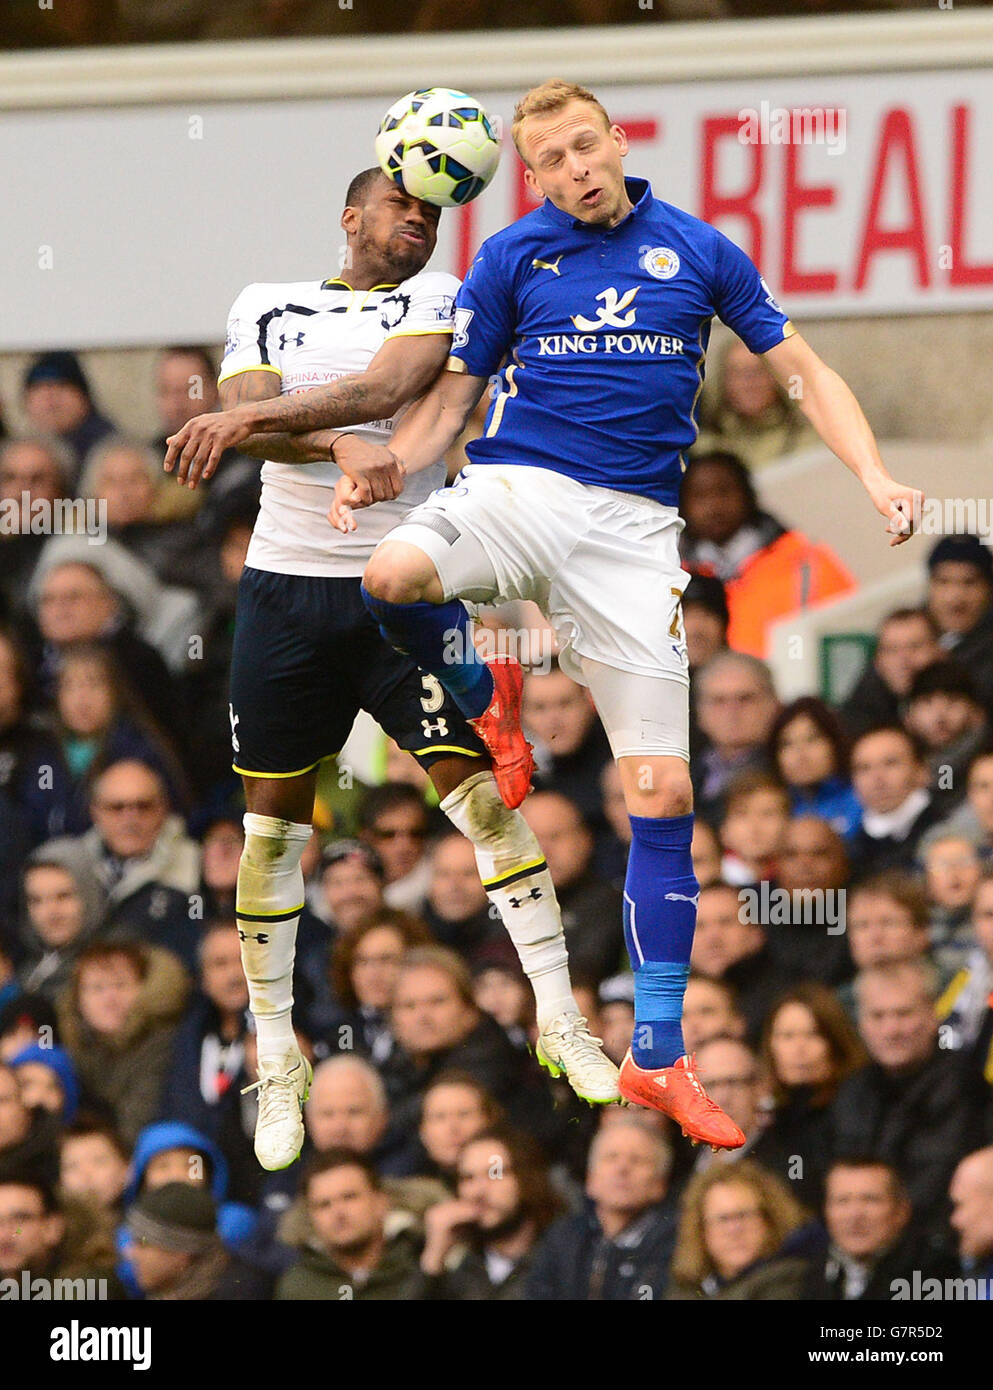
(389, 576)
(659, 788)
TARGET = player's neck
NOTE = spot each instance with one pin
(365, 277)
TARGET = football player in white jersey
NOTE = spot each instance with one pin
(307, 655)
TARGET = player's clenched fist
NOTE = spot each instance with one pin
(901, 505)
(197, 448)
(377, 472)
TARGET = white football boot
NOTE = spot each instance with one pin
(279, 1131)
(567, 1047)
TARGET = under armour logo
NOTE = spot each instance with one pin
(683, 898)
(609, 315)
(439, 727)
(235, 719)
(284, 338)
(261, 937)
(553, 266)
(534, 894)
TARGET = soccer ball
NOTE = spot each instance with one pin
(439, 146)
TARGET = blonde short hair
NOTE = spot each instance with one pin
(550, 96)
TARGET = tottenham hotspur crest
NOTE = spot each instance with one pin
(394, 308)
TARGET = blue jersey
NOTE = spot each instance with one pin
(605, 333)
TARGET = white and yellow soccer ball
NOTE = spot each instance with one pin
(438, 145)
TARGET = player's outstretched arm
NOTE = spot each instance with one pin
(309, 447)
(830, 406)
(402, 369)
(424, 434)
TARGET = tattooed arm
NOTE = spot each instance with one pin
(310, 446)
(401, 371)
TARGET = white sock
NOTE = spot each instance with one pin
(517, 882)
(270, 899)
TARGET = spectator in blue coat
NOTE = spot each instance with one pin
(808, 748)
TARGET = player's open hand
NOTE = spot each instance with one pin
(348, 497)
(901, 506)
(196, 449)
(375, 468)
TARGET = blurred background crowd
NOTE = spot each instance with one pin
(841, 999)
(82, 22)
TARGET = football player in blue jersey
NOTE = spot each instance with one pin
(308, 655)
(598, 305)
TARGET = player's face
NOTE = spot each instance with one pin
(574, 160)
(395, 231)
(863, 1212)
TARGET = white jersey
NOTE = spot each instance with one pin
(310, 334)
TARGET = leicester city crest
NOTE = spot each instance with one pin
(660, 261)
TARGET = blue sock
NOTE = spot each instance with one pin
(660, 897)
(438, 637)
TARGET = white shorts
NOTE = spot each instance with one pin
(603, 566)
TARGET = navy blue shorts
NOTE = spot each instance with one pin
(307, 657)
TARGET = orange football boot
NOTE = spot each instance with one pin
(677, 1092)
(499, 726)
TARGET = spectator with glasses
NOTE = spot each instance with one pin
(393, 819)
(141, 860)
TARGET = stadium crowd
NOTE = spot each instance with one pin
(840, 1004)
(82, 22)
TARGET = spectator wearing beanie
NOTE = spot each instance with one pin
(177, 1253)
(58, 400)
(47, 1078)
(960, 600)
